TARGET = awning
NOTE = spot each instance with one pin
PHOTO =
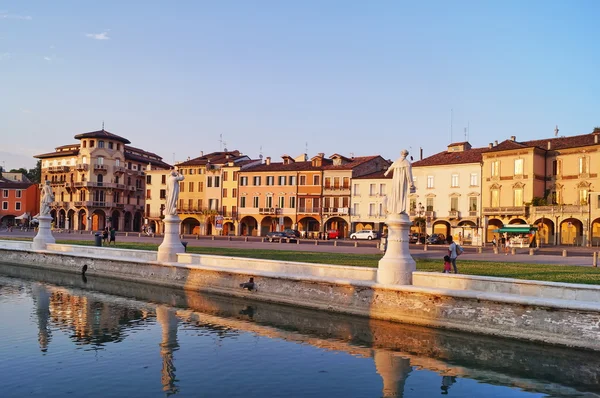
(24, 216)
(526, 229)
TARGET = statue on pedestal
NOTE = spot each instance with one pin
(46, 200)
(172, 192)
(402, 184)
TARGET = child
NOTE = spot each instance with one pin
(447, 265)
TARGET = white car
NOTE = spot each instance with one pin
(364, 234)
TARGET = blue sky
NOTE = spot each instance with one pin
(343, 77)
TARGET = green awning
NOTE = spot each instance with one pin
(516, 230)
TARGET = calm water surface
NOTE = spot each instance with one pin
(61, 336)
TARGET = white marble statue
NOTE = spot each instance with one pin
(172, 192)
(402, 184)
(46, 200)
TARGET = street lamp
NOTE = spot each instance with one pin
(420, 212)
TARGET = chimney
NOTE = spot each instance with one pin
(491, 145)
(201, 153)
(496, 143)
(549, 145)
(268, 160)
(321, 154)
(596, 139)
(421, 153)
(513, 137)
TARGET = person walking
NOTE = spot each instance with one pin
(105, 236)
(507, 247)
(113, 236)
(454, 251)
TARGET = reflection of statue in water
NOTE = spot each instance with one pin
(402, 183)
(47, 199)
(168, 320)
(172, 192)
(447, 381)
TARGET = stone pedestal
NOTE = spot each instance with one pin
(44, 235)
(171, 245)
(397, 265)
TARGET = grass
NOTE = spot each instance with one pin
(540, 272)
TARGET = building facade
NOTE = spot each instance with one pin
(368, 204)
(98, 182)
(19, 199)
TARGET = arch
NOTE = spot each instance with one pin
(545, 232)
(8, 219)
(70, 220)
(248, 226)
(341, 225)
(595, 233)
(190, 225)
(98, 220)
(493, 224)
(359, 227)
(53, 214)
(268, 224)
(82, 220)
(441, 227)
(228, 228)
(571, 231)
(137, 221)
(309, 227)
(127, 218)
(62, 218)
(515, 221)
(115, 219)
(465, 231)
(100, 179)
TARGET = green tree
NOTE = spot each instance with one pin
(34, 175)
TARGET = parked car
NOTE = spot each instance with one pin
(292, 232)
(333, 234)
(413, 238)
(364, 234)
(436, 239)
(275, 236)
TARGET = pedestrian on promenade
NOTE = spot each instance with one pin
(502, 242)
(454, 251)
(105, 236)
(113, 236)
(507, 247)
(494, 241)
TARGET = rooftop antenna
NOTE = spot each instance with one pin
(103, 125)
(220, 142)
(224, 146)
(556, 131)
(260, 155)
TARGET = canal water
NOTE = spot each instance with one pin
(62, 335)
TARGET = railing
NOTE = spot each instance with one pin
(558, 209)
(94, 184)
(229, 214)
(430, 214)
(197, 209)
(119, 169)
(91, 203)
(58, 169)
(307, 210)
(82, 166)
(336, 210)
(336, 188)
(267, 210)
(453, 214)
(100, 167)
(511, 210)
(131, 188)
(473, 213)
(57, 183)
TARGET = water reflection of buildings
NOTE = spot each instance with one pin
(95, 318)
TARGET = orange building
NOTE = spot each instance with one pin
(19, 201)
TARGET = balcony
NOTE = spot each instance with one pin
(131, 188)
(430, 214)
(267, 210)
(336, 188)
(506, 211)
(309, 210)
(473, 213)
(101, 168)
(560, 209)
(57, 183)
(58, 169)
(336, 211)
(119, 170)
(82, 167)
(454, 214)
(90, 203)
(93, 184)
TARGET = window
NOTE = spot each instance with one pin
(356, 190)
(18, 193)
(209, 182)
(292, 180)
(583, 165)
(556, 167)
(495, 198)
(243, 202)
(255, 201)
(224, 192)
(110, 145)
(213, 204)
(149, 180)
(346, 182)
(454, 204)
(5, 193)
(163, 179)
(495, 168)
(372, 190)
(244, 181)
(412, 204)
(201, 186)
(372, 209)
(474, 180)
(518, 167)
(91, 143)
(225, 176)
(256, 181)
(454, 181)
(336, 182)
(381, 190)
(100, 144)
(292, 202)
(281, 180)
(356, 210)
(302, 180)
(269, 201)
(430, 182)
(84, 143)
(473, 203)
(200, 204)
(4, 205)
(148, 196)
(182, 187)
(518, 197)
(281, 202)
(270, 180)
(217, 181)
(84, 160)
(234, 193)
(429, 204)
(380, 213)
(316, 180)
(235, 176)
(100, 160)
(583, 196)
(191, 186)
(327, 181)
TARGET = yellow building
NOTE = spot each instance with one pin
(550, 184)
(98, 182)
(368, 203)
(156, 193)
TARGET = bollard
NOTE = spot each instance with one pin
(355, 244)
(495, 250)
(513, 251)
(212, 238)
(335, 243)
(595, 259)
(297, 241)
(480, 250)
(197, 237)
(126, 234)
(531, 252)
(245, 239)
(229, 238)
(316, 242)
(564, 254)
(263, 240)
(425, 247)
(139, 235)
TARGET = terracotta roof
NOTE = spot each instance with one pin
(280, 166)
(357, 161)
(214, 158)
(134, 149)
(375, 175)
(102, 134)
(144, 160)
(57, 154)
(472, 155)
(5, 183)
(555, 143)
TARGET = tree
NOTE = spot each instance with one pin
(34, 175)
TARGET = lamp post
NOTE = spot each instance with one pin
(420, 211)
